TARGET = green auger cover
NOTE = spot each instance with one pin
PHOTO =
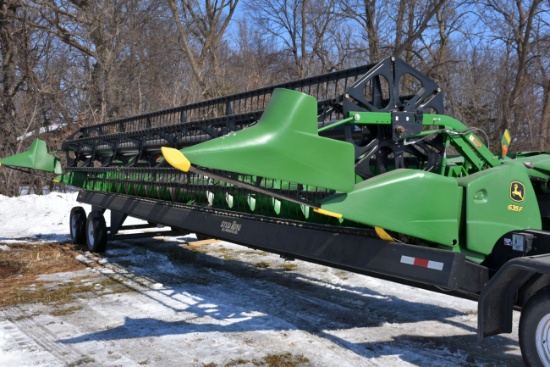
(283, 145)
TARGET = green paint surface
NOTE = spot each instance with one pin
(37, 157)
(492, 208)
(284, 145)
(413, 202)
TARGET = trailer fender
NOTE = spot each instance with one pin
(497, 298)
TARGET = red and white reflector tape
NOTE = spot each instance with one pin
(423, 263)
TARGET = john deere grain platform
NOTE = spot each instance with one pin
(358, 169)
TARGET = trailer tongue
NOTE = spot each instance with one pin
(349, 169)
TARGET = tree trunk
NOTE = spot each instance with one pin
(545, 128)
(372, 30)
(9, 64)
(8, 137)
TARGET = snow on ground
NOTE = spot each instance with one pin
(226, 305)
(37, 217)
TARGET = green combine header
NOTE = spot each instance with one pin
(358, 169)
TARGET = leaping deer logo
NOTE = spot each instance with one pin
(517, 191)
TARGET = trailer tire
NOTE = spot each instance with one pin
(534, 330)
(96, 232)
(77, 224)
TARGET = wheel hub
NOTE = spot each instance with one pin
(91, 238)
(543, 340)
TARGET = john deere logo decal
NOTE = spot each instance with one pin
(517, 191)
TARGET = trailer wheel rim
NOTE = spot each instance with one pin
(73, 227)
(91, 238)
(543, 340)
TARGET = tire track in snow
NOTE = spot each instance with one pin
(31, 334)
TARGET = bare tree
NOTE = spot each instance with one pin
(512, 25)
(10, 82)
(102, 38)
(23, 105)
(368, 15)
(412, 20)
(437, 49)
(201, 27)
(12, 85)
(301, 28)
(391, 27)
(253, 62)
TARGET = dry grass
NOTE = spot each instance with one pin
(263, 265)
(60, 311)
(21, 266)
(271, 360)
(289, 266)
(285, 360)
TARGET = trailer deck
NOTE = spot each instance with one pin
(352, 249)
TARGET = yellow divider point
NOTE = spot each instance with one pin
(381, 232)
(505, 143)
(507, 136)
(176, 159)
(326, 212)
